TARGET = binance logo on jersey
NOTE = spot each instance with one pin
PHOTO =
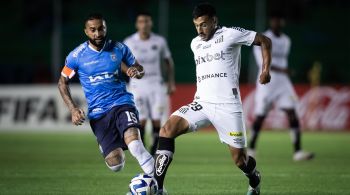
(210, 57)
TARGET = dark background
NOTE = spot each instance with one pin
(319, 30)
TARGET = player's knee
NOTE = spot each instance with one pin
(239, 157)
(167, 131)
(239, 160)
(115, 167)
(115, 160)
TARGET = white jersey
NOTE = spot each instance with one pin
(279, 91)
(218, 62)
(149, 53)
(279, 53)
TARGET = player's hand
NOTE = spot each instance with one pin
(78, 116)
(171, 88)
(133, 72)
(265, 77)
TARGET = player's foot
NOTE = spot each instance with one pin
(303, 155)
(256, 190)
(128, 193)
(162, 192)
(251, 152)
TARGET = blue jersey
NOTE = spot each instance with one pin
(100, 75)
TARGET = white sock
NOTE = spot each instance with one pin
(146, 161)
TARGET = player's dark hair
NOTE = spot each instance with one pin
(143, 13)
(203, 9)
(276, 14)
(94, 16)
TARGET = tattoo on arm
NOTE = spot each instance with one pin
(63, 87)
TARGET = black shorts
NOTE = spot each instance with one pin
(109, 129)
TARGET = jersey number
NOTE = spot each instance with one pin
(131, 116)
(195, 106)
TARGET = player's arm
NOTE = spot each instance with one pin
(78, 115)
(134, 71)
(169, 63)
(265, 44)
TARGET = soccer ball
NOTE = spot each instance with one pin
(143, 184)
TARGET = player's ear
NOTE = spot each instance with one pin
(85, 31)
(215, 19)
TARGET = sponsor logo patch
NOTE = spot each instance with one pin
(161, 163)
(236, 133)
(210, 76)
(209, 57)
(183, 110)
(220, 39)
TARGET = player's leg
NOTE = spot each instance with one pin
(157, 109)
(287, 102)
(248, 166)
(155, 135)
(137, 149)
(294, 128)
(115, 160)
(174, 127)
(110, 142)
(185, 119)
(142, 129)
(295, 133)
(231, 129)
(256, 127)
(262, 105)
(127, 123)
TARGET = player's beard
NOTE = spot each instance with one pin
(207, 37)
(98, 42)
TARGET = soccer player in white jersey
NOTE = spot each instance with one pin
(217, 54)
(279, 91)
(151, 98)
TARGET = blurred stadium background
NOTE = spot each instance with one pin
(35, 128)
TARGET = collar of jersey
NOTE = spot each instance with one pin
(139, 38)
(95, 49)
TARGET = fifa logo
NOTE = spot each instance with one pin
(209, 58)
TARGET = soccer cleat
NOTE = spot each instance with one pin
(302, 156)
(128, 193)
(251, 152)
(256, 190)
(162, 192)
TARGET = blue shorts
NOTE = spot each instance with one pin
(109, 129)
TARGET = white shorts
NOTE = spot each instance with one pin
(278, 92)
(151, 101)
(228, 123)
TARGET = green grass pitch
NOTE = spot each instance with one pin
(70, 163)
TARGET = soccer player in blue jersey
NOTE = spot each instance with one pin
(100, 64)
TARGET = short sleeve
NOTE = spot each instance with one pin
(70, 66)
(165, 49)
(241, 36)
(128, 58)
